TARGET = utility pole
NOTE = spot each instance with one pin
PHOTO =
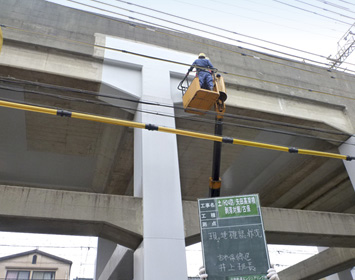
(344, 49)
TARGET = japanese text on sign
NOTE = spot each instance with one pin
(233, 238)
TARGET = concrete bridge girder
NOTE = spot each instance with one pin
(123, 215)
(116, 218)
(107, 170)
(328, 262)
(119, 219)
(289, 181)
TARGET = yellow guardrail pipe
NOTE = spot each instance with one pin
(205, 136)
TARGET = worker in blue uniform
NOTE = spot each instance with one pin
(202, 65)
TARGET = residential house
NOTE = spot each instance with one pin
(34, 265)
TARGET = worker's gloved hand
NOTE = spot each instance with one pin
(202, 273)
(272, 274)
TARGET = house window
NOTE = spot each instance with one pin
(17, 275)
(43, 275)
(34, 259)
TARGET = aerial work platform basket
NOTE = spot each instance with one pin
(197, 100)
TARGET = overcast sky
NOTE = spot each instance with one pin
(310, 26)
(82, 251)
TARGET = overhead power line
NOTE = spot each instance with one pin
(195, 119)
(347, 2)
(180, 63)
(225, 37)
(336, 6)
(153, 127)
(315, 13)
(239, 41)
(95, 94)
(215, 34)
(207, 32)
(314, 6)
(218, 28)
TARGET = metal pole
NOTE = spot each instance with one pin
(215, 181)
(210, 137)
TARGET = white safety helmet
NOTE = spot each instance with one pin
(201, 55)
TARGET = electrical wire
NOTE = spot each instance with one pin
(185, 64)
(124, 51)
(282, 3)
(184, 118)
(179, 31)
(263, 21)
(195, 119)
(278, 1)
(208, 25)
(216, 27)
(336, 6)
(142, 55)
(226, 115)
(302, 58)
(239, 41)
(206, 121)
(214, 34)
(314, 6)
(170, 61)
(132, 100)
(153, 127)
(346, 2)
(279, 11)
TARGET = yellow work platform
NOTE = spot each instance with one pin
(197, 100)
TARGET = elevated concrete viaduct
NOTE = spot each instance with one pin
(138, 188)
(119, 219)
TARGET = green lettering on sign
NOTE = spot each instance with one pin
(238, 206)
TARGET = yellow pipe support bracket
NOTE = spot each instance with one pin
(215, 185)
(210, 137)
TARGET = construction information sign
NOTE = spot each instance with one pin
(233, 239)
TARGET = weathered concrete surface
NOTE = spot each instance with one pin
(119, 266)
(269, 89)
(116, 218)
(266, 89)
(326, 263)
(292, 227)
(51, 62)
(63, 26)
(119, 218)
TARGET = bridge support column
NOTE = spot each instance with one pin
(161, 255)
(348, 148)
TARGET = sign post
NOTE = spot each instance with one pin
(233, 239)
